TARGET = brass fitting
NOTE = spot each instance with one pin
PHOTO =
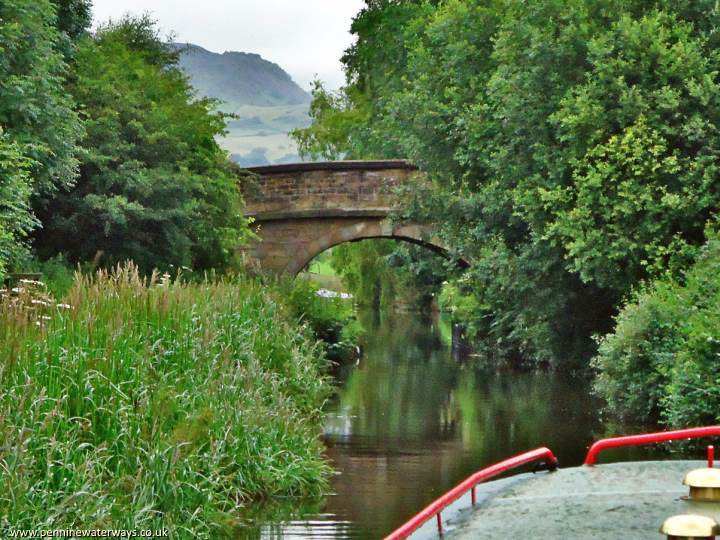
(704, 484)
(689, 527)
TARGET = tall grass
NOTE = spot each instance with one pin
(154, 403)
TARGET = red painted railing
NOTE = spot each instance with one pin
(436, 507)
(649, 438)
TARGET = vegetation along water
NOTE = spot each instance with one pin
(567, 151)
(147, 403)
(570, 151)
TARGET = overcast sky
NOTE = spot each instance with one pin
(305, 37)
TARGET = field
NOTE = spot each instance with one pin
(261, 133)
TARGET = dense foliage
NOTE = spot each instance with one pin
(331, 320)
(16, 220)
(35, 110)
(150, 404)
(38, 125)
(364, 270)
(661, 360)
(73, 17)
(573, 148)
(107, 155)
(154, 186)
(383, 274)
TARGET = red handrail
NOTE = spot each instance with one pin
(649, 438)
(438, 505)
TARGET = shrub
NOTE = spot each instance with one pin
(662, 362)
(331, 320)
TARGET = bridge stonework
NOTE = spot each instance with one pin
(300, 210)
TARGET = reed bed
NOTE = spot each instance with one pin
(147, 403)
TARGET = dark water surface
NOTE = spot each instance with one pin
(411, 420)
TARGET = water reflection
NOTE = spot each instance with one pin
(409, 422)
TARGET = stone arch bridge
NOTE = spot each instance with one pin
(300, 210)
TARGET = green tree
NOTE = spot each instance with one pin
(35, 111)
(38, 127)
(387, 273)
(154, 186)
(16, 220)
(335, 118)
(74, 17)
(641, 132)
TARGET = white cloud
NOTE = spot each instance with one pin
(305, 37)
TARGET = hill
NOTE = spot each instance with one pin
(239, 78)
(266, 101)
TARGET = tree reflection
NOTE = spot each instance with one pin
(410, 422)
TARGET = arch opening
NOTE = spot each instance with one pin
(326, 234)
(429, 246)
(382, 272)
(286, 245)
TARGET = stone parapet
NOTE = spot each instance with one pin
(337, 186)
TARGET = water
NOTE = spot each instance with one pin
(410, 421)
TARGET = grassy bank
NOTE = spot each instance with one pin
(151, 403)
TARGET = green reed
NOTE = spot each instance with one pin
(150, 402)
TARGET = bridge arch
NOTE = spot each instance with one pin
(355, 232)
(301, 210)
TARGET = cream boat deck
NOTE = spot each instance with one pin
(605, 502)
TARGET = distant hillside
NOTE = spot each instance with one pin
(266, 101)
(240, 79)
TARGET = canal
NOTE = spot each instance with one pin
(410, 420)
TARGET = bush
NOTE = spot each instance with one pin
(16, 219)
(662, 360)
(145, 404)
(56, 273)
(331, 320)
(461, 305)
